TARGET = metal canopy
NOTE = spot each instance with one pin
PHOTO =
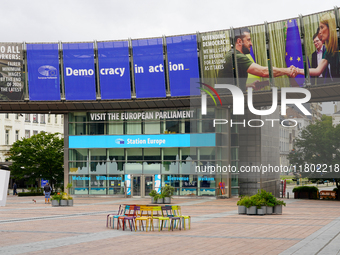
(323, 93)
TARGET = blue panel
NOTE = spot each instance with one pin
(183, 64)
(114, 70)
(149, 68)
(43, 72)
(79, 72)
(143, 141)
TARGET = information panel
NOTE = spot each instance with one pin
(183, 64)
(11, 72)
(43, 72)
(79, 71)
(114, 70)
(149, 68)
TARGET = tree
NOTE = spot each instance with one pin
(316, 151)
(38, 157)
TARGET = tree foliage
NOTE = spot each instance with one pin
(38, 157)
(317, 150)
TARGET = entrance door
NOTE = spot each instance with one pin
(136, 185)
(142, 185)
(148, 184)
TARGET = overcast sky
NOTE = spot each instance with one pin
(84, 20)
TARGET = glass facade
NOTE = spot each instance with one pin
(103, 171)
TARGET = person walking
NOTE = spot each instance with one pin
(15, 189)
(47, 191)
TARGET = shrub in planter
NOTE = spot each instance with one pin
(154, 195)
(167, 192)
(160, 199)
(70, 201)
(250, 204)
(241, 205)
(56, 199)
(278, 206)
(306, 192)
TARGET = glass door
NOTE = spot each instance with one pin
(148, 184)
(136, 185)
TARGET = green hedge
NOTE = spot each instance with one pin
(24, 194)
(306, 189)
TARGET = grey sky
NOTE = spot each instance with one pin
(84, 20)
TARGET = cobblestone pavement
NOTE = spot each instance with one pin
(305, 227)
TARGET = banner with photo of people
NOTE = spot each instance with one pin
(286, 53)
(322, 49)
(11, 72)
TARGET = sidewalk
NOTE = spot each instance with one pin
(305, 227)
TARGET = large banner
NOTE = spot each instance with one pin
(149, 68)
(11, 72)
(286, 53)
(322, 49)
(114, 70)
(79, 71)
(43, 71)
(183, 64)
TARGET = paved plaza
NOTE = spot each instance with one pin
(305, 227)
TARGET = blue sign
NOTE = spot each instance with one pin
(143, 141)
(79, 71)
(183, 64)
(43, 72)
(128, 184)
(114, 70)
(148, 66)
(43, 182)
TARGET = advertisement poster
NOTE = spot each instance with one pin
(11, 72)
(148, 68)
(322, 48)
(114, 70)
(79, 71)
(43, 71)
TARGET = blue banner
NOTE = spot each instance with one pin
(294, 51)
(43, 72)
(183, 64)
(149, 68)
(114, 70)
(143, 141)
(79, 71)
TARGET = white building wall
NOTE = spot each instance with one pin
(14, 126)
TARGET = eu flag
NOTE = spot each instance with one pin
(294, 51)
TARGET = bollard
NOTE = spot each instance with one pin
(287, 195)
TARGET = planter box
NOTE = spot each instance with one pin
(70, 202)
(269, 210)
(160, 201)
(55, 202)
(63, 202)
(242, 209)
(278, 209)
(264, 208)
(251, 210)
(260, 212)
(153, 201)
(167, 200)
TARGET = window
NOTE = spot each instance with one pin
(49, 118)
(6, 115)
(55, 119)
(35, 118)
(27, 134)
(7, 137)
(62, 119)
(17, 116)
(27, 117)
(16, 135)
(42, 118)
(35, 132)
